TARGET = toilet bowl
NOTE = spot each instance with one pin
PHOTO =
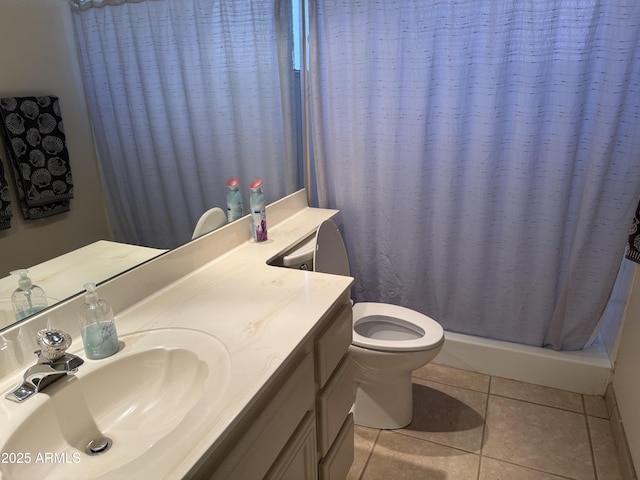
(389, 341)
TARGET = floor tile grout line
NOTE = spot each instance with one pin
(451, 384)
(434, 442)
(480, 456)
(484, 428)
(539, 404)
(448, 384)
(366, 463)
(489, 392)
(527, 467)
(591, 450)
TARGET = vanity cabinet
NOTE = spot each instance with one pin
(334, 396)
(300, 428)
(330, 430)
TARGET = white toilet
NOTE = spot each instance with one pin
(389, 341)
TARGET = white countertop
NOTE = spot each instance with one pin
(64, 276)
(261, 313)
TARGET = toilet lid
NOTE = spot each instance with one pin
(330, 255)
(404, 318)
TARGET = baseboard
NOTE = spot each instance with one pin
(619, 437)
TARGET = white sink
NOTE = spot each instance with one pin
(150, 399)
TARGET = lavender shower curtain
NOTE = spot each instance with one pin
(485, 156)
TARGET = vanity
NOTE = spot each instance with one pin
(228, 368)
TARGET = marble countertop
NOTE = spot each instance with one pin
(66, 275)
(261, 313)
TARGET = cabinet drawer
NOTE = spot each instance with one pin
(337, 463)
(333, 343)
(334, 403)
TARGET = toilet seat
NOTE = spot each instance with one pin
(412, 331)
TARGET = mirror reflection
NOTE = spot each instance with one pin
(151, 147)
(65, 275)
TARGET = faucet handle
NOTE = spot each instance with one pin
(53, 343)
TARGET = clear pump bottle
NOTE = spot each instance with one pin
(98, 327)
(234, 200)
(258, 211)
(28, 298)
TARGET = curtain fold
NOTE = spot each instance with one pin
(485, 156)
(184, 95)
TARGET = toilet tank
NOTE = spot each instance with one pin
(301, 257)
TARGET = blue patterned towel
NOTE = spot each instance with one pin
(633, 248)
(33, 129)
(5, 201)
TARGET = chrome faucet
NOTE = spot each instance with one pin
(53, 364)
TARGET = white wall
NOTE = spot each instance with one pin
(626, 376)
(37, 57)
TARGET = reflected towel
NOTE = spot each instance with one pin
(633, 248)
(5, 200)
(33, 129)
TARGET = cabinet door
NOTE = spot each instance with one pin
(336, 465)
(298, 460)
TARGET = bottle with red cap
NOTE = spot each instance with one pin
(258, 211)
(234, 200)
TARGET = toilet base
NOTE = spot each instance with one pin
(385, 403)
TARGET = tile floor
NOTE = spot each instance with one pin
(469, 426)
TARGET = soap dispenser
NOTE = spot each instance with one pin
(28, 298)
(97, 325)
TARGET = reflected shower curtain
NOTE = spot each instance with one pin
(485, 156)
(182, 96)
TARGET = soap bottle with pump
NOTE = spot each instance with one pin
(28, 298)
(97, 325)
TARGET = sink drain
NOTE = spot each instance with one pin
(98, 446)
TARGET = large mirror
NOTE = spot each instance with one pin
(64, 251)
